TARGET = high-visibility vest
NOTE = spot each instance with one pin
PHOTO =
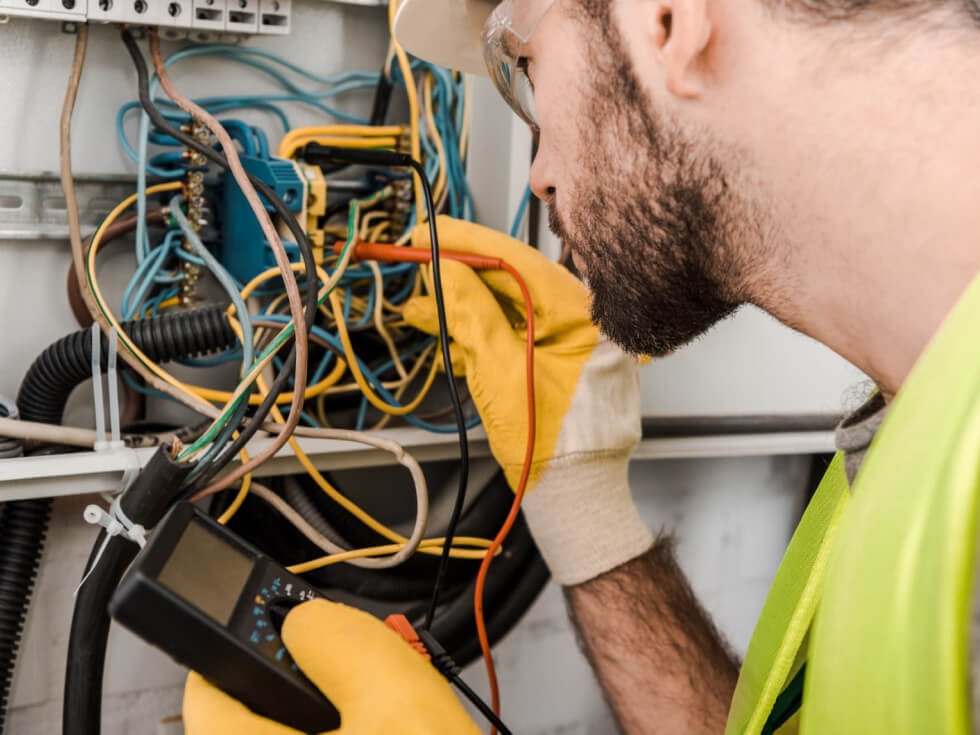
(874, 594)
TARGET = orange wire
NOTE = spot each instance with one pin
(515, 508)
(386, 252)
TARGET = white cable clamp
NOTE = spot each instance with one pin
(115, 522)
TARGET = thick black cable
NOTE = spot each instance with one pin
(390, 158)
(144, 502)
(281, 380)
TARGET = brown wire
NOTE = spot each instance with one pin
(301, 336)
(75, 231)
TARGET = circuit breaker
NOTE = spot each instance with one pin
(200, 20)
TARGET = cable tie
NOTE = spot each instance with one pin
(97, 400)
(114, 521)
(114, 422)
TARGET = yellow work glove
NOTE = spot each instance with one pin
(377, 682)
(587, 397)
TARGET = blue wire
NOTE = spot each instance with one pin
(222, 276)
(141, 282)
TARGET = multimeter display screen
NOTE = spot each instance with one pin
(207, 572)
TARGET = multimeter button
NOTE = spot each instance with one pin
(278, 610)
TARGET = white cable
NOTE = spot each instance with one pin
(48, 433)
(73, 435)
(297, 521)
(403, 458)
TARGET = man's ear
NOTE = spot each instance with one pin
(680, 31)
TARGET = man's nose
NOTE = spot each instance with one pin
(542, 180)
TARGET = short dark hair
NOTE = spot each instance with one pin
(852, 9)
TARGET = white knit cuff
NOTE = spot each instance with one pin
(583, 518)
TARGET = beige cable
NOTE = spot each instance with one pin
(324, 544)
(401, 456)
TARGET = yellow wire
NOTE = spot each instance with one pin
(268, 275)
(413, 109)
(428, 352)
(366, 221)
(427, 546)
(355, 370)
(430, 123)
(242, 492)
(379, 323)
(357, 131)
(164, 305)
(378, 232)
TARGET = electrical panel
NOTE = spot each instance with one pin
(199, 20)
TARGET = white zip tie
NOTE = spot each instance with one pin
(97, 399)
(114, 521)
(114, 390)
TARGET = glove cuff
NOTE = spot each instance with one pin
(582, 516)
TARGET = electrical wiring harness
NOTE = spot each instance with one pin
(306, 242)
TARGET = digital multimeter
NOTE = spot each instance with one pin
(216, 604)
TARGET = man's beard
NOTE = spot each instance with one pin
(656, 223)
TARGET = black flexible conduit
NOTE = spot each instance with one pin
(42, 396)
(68, 362)
(23, 523)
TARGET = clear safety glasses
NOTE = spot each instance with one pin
(505, 35)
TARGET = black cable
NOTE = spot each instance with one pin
(390, 158)
(306, 252)
(382, 99)
(447, 667)
(485, 709)
(464, 447)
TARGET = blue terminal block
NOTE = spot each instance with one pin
(244, 250)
